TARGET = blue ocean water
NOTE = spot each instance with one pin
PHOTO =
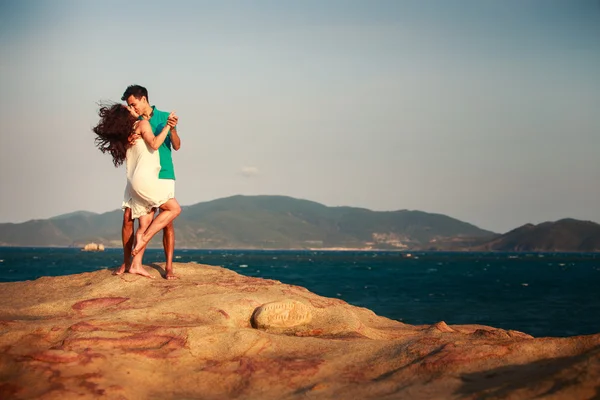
(542, 294)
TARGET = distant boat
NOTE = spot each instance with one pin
(93, 247)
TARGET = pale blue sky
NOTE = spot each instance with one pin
(484, 110)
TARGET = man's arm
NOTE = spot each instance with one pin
(175, 139)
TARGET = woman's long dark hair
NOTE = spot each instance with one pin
(113, 130)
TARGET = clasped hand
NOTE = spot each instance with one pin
(172, 120)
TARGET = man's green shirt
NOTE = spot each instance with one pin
(158, 122)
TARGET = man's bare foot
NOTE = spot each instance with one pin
(139, 270)
(170, 277)
(120, 270)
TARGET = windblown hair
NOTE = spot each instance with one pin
(113, 130)
(136, 91)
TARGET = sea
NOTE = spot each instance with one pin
(542, 294)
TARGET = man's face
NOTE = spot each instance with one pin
(138, 105)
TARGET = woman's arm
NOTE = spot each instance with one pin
(146, 132)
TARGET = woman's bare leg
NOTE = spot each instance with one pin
(127, 239)
(168, 212)
(136, 264)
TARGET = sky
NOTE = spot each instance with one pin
(487, 111)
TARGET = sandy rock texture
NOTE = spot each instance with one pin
(216, 334)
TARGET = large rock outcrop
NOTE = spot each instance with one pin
(215, 334)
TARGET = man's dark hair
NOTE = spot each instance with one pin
(136, 91)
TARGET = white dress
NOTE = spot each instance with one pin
(144, 190)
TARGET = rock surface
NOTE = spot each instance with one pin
(215, 334)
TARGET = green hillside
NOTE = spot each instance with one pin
(563, 235)
(275, 222)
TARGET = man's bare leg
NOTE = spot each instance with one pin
(127, 240)
(168, 212)
(136, 263)
(169, 246)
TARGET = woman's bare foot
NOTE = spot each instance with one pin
(139, 243)
(139, 270)
(120, 270)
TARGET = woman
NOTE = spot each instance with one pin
(131, 140)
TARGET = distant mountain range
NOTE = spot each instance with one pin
(279, 222)
(564, 235)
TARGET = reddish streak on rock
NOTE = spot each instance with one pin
(288, 369)
(56, 356)
(299, 289)
(134, 343)
(451, 354)
(91, 386)
(164, 352)
(101, 302)
(83, 327)
(243, 284)
(89, 356)
(223, 312)
(185, 318)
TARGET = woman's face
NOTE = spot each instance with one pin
(132, 112)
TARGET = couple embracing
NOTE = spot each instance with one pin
(142, 136)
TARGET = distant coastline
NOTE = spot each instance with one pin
(285, 223)
(331, 250)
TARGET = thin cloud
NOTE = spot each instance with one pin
(249, 172)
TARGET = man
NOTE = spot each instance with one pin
(136, 98)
